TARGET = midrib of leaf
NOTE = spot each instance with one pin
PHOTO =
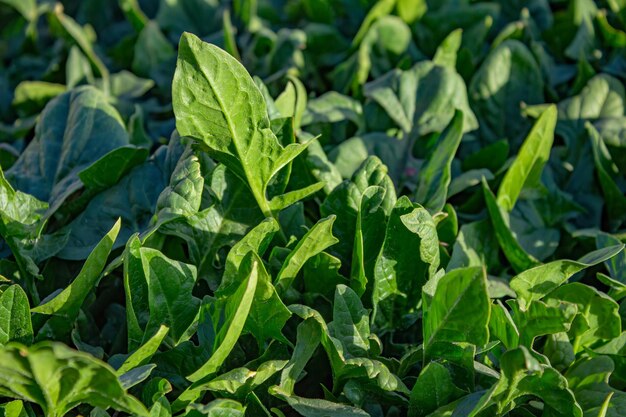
(261, 201)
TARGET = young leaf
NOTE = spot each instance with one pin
(434, 176)
(142, 355)
(460, 294)
(68, 302)
(399, 273)
(229, 116)
(15, 323)
(520, 260)
(525, 172)
(236, 309)
(315, 241)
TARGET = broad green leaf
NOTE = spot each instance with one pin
(399, 273)
(350, 323)
(508, 77)
(152, 50)
(236, 138)
(533, 284)
(434, 176)
(422, 99)
(58, 379)
(158, 292)
(112, 167)
(15, 323)
(589, 379)
(64, 145)
(434, 388)
(268, 314)
(525, 172)
(475, 245)
(460, 294)
(21, 219)
(318, 238)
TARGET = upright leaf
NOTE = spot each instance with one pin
(229, 116)
(525, 172)
(460, 294)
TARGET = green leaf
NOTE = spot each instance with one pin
(350, 323)
(422, 99)
(49, 167)
(256, 240)
(369, 233)
(524, 375)
(541, 319)
(313, 407)
(520, 260)
(434, 388)
(533, 284)
(446, 54)
(59, 378)
(236, 138)
(525, 172)
(142, 355)
(15, 323)
(318, 238)
(460, 294)
(345, 202)
(68, 302)
(598, 317)
(236, 309)
(399, 274)
(497, 94)
(307, 340)
(614, 198)
(434, 176)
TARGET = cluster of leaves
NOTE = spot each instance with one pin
(412, 208)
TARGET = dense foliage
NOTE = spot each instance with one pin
(313, 207)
